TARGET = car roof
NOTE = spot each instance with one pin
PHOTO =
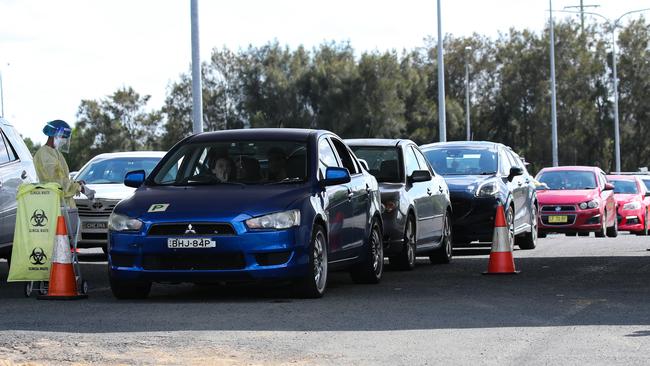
(572, 168)
(132, 154)
(292, 134)
(377, 142)
(4, 122)
(481, 144)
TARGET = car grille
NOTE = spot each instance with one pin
(460, 206)
(187, 262)
(123, 260)
(563, 208)
(571, 219)
(96, 209)
(198, 228)
(94, 236)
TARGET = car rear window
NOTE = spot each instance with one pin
(568, 179)
(383, 162)
(624, 186)
(462, 161)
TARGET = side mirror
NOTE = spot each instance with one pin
(420, 176)
(335, 176)
(647, 193)
(515, 171)
(608, 187)
(134, 179)
(364, 164)
(72, 175)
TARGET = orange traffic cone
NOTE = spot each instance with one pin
(501, 259)
(63, 283)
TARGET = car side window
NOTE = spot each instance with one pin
(505, 163)
(422, 161)
(346, 158)
(4, 150)
(410, 161)
(326, 157)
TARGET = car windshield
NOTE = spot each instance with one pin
(383, 162)
(113, 170)
(462, 160)
(568, 179)
(235, 162)
(624, 186)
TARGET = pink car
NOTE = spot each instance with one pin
(632, 199)
(576, 200)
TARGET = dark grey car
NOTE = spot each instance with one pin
(415, 200)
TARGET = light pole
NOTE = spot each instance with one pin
(553, 97)
(442, 123)
(2, 98)
(613, 25)
(197, 97)
(468, 51)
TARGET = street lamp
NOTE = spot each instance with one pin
(553, 96)
(612, 25)
(2, 98)
(442, 123)
(468, 51)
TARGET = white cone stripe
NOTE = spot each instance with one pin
(62, 253)
(501, 240)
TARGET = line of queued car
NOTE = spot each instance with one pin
(294, 205)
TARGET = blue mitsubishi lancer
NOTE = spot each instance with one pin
(254, 204)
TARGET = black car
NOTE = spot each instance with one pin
(481, 175)
(416, 207)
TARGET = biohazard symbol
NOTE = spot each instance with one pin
(38, 219)
(38, 256)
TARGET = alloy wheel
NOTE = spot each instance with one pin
(320, 262)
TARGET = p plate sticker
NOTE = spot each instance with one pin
(158, 207)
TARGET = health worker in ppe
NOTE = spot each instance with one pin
(51, 166)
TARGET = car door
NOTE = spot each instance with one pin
(417, 192)
(10, 179)
(520, 191)
(335, 201)
(354, 229)
(436, 206)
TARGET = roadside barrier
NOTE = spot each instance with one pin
(501, 259)
(63, 282)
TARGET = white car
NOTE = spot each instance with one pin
(105, 175)
(16, 168)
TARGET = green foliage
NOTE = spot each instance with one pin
(394, 94)
(31, 146)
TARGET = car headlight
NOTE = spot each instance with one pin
(590, 204)
(632, 206)
(583, 206)
(487, 189)
(279, 220)
(117, 222)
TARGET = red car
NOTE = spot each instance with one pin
(632, 199)
(576, 200)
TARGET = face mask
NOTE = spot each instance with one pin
(62, 144)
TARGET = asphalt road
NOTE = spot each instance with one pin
(576, 301)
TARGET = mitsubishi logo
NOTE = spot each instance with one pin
(558, 208)
(190, 230)
(97, 206)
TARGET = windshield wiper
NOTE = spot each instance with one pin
(286, 180)
(487, 173)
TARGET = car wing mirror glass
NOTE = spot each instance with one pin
(134, 179)
(335, 176)
(420, 176)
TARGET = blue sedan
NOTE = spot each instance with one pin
(256, 204)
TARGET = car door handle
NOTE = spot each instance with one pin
(520, 183)
(23, 176)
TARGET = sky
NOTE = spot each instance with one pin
(53, 54)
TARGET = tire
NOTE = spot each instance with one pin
(644, 232)
(124, 290)
(510, 221)
(371, 268)
(571, 234)
(405, 260)
(444, 254)
(583, 234)
(541, 235)
(603, 229)
(612, 231)
(528, 241)
(313, 285)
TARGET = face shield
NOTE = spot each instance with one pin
(62, 140)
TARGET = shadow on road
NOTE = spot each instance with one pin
(549, 292)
